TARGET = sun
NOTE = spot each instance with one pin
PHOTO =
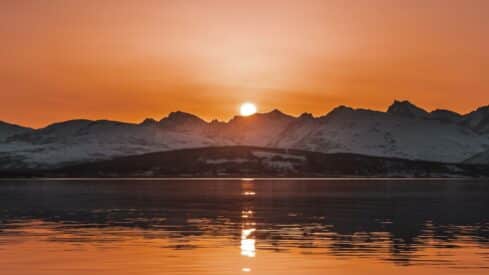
(247, 109)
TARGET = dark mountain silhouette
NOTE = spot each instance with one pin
(245, 161)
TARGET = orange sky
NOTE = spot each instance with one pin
(127, 60)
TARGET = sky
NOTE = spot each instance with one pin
(129, 60)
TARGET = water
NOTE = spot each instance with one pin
(244, 227)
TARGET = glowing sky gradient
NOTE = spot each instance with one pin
(127, 60)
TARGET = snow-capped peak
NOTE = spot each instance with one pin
(180, 116)
(440, 136)
(407, 109)
(342, 109)
(306, 116)
(148, 121)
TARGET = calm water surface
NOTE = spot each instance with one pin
(244, 227)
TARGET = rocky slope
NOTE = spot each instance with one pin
(246, 161)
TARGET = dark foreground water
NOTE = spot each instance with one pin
(244, 226)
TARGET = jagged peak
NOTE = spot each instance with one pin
(403, 104)
(148, 121)
(276, 113)
(182, 116)
(406, 109)
(306, 116)
(340, 109)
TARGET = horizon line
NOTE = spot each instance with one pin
(238, 115)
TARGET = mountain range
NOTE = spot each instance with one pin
(404, 131)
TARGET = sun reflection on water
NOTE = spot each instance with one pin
(248, 243)
(303, 227)
(248, 225)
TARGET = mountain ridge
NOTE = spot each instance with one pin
(404, 130)
(393, 109)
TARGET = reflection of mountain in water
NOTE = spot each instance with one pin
(388, 220)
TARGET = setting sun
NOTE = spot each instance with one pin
(248, 137)
(247, 109)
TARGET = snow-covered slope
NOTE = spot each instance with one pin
(480, 158)
(389, 135)
(446, 116)
(407, 109)
(478, 120)
(404, 131)
(7, 130)
(296, 131)
(83, 140)
(256, 130)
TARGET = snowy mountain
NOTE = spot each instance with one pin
(85, 140)
(388, 135)
(407, 109)
(182, 122)
(404, 131)
(446, 116)
(478, 120)
(7, 130)
(256, 130)
(480, 158)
